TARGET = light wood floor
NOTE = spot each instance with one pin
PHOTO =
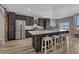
(75, 47)
(17, 47)
(24, 46)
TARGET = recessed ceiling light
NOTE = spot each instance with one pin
(28, 9)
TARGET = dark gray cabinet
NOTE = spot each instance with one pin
(40, 22)
(28, 34)
(29, 21)
(11, 26)
(45, 22)
(20, 17)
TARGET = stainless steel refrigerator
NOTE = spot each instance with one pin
(20, 29)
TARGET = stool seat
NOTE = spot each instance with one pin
(47, 38)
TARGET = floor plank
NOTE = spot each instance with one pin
(24, 46)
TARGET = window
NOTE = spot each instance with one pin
(64, 26)
(78, 22)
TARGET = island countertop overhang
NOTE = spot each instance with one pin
(39, 32)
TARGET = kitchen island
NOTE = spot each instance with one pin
(37, 36)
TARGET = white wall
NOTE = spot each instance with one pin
(65, 10)
(1, 24)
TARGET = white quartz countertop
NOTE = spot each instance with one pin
(37, 32)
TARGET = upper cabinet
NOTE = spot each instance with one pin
(29, 21)
(20, 17)
(45, 22)
(11, 18)
(40, 22)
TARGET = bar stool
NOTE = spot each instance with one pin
(54, 42)
(57, 41)
(63, 39)
(47, 44)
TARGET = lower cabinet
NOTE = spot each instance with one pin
(28, 35)
(36, 42)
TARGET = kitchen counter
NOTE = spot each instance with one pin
(37, 36)
(39, 32)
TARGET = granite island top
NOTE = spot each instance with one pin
(38, 32)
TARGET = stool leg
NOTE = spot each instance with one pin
(52, 44)
(45, 47)
(42, 46)
(55, 44)
(48, 44)
(62, 41)
(59, 44)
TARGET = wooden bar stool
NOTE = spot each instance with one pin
(63, 39)
(54, 42)
(47, 44)
(57, 43)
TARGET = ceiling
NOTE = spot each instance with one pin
(36, 10)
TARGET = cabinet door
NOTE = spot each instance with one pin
(11, 26)
(44, 22)
(27, 21)
(40, 22)
(47, 23)
(31, 21)
(28, 34)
